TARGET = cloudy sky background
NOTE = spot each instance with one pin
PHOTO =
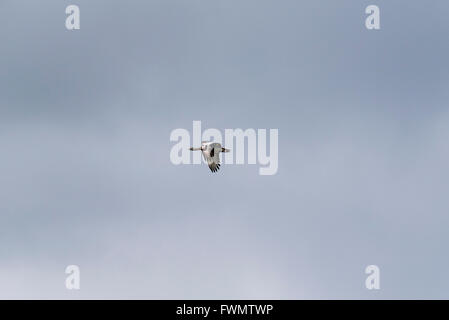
(86, 179)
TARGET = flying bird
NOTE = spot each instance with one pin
(211, 151)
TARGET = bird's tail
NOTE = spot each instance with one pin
(225, 150)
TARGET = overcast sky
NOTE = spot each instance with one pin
(86, 178)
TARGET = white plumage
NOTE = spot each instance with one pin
(211, 153)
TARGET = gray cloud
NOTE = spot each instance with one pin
(85, 119)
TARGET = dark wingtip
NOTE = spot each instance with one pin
(214, 167)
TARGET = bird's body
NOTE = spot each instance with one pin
(211, 153)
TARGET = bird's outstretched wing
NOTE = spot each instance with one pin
(213, 160)
(214, 166)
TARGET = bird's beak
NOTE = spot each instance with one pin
(191, 149)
